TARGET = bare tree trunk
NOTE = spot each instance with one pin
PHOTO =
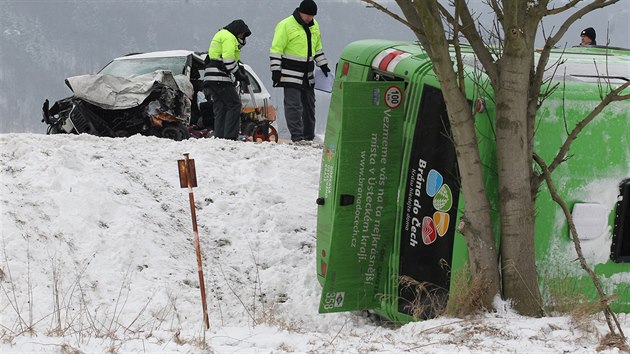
(476, 225)
(518, 263)
(514, 163)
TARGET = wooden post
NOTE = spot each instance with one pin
(188, 179)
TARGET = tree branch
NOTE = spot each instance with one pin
(472, 35)
(567, 6)
(497, 10)
(458, 53)
(610, 97)
(418, 31)
(596, 4)
(603, 298)
(553, 40)
(545, 53)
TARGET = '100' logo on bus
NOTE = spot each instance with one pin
(393, 97)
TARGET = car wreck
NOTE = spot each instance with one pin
(157, 103)
(153, 94)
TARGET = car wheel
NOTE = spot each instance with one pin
(122, 133)
(185, 133)
(171, 132)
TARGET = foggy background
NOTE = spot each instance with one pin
(42, 42)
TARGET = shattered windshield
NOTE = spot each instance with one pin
(127, 68)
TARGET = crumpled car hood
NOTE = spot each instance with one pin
(112, 92)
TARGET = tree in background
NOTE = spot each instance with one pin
(516, 79)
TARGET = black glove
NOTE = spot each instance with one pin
(325, 69)
(275, 77)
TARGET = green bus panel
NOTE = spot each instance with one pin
(358, 202)
(431, 196)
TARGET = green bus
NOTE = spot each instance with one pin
(389, 195)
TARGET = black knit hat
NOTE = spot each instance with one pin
(237, 27)
(308, 7)
(589, 32)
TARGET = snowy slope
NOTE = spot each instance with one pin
(98, 255)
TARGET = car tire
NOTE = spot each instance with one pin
(171, 132)
(185, 133)
(122, 133)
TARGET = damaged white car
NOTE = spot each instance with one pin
(157, 94)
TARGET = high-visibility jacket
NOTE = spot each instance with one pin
(295, 49)
(224, 52)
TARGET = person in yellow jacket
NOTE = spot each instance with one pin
(221, 75)
(295, 50)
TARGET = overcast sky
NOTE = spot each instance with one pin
(42, 42)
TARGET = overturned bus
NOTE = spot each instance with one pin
(389, 196)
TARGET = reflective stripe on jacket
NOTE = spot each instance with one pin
(223, 57)
(295, 49)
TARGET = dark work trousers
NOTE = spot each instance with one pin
(299, 112)
(227, 110)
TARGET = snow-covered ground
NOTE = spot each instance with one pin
(97, 255)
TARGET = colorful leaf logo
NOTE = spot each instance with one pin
(441, 221)
(434, 182)
(443, 200)
(428, 231)
(330, 150)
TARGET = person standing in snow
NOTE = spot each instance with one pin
(587, 37)
(295, 49)
(221, 75)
